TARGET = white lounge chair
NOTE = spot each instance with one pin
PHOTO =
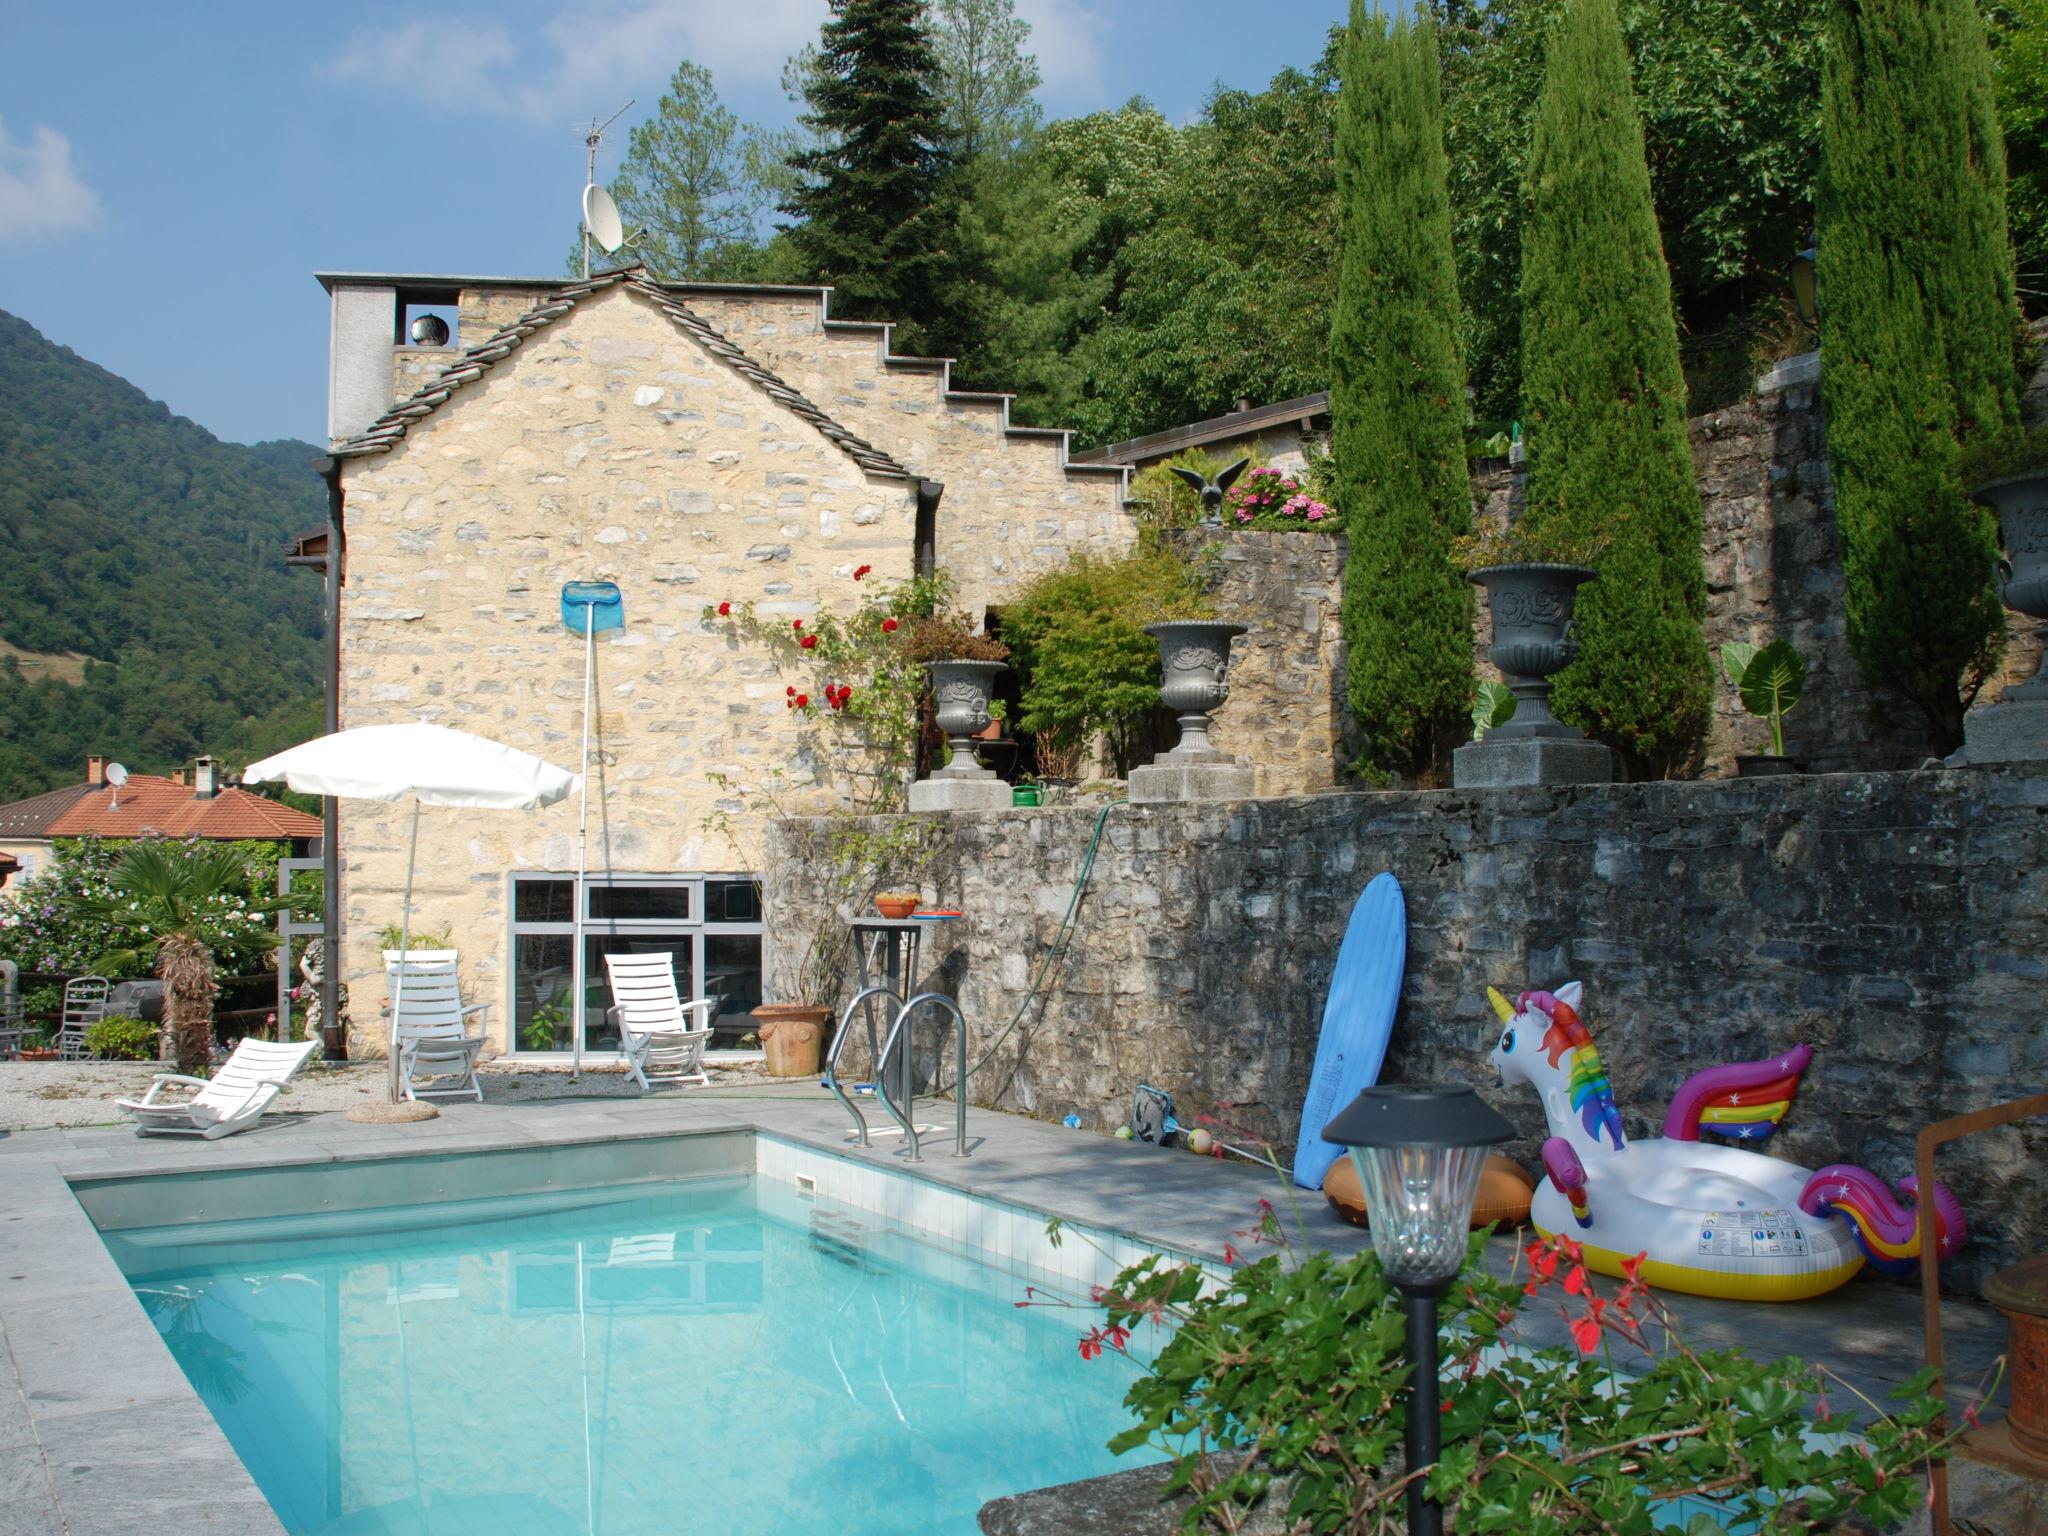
(233, 1099)
(657, 1029)
(85, 1004)
(434, 1042)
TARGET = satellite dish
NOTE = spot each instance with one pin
(601, 218)
(116, 775)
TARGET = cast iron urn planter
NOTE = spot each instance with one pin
(960, 695)
(2021, 502)
(1194, 654)
(1533, 639)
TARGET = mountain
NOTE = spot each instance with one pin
(145, 607)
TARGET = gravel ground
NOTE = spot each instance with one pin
(37, 1095)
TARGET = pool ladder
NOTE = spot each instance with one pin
(905, 1114)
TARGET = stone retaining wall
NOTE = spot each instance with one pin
(1895, 922)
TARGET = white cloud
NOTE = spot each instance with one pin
(41, 194)
(1067, 36)
(588, 56)
(439, 60)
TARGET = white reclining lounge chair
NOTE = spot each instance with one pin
(233, 1099)
(434, 1041)
(657, 1029)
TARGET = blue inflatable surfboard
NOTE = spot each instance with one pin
(1357, 1020)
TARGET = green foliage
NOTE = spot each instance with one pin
(122, 1038)
(862, 679)
(58, 923)
(394, 936)
(1291, 1385)
(1493, 705)
(1085, 664)
(1397, 406)
(1161, 499)
(2020, 68)
(1730, 100)
(697, 181)
(1992, 456)
(1769, 680)
(1915, 276)
(985, 77)
(132, 538)
(876, 202)
(1604, 404)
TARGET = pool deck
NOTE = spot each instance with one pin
(101, 1435)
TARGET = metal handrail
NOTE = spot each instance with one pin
(907, 1115)
(839, 1038)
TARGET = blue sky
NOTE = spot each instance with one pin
(171, 176)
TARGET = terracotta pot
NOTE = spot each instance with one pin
(39, 1053)
(793, 1036)
(895, 907)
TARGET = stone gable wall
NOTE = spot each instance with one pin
(1895, 922)
(609, 446)
(1010, 510)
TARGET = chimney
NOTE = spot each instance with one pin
(95, 772)
(205, 781)
(1244, 403)
(178, 777)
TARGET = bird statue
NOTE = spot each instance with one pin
(1211, 491)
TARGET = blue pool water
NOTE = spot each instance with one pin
(713, 1356)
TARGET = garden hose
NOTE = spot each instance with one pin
(1052, 955)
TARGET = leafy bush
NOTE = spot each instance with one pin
(1998, 454)
(1083, 659)
(1161, 499)
(1291, 1384)
(120, 1037)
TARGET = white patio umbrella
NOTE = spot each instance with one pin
(428, 765)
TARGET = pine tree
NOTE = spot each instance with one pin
(1397, 404)
(1603, 399)
(875, 205)
(1919, 324)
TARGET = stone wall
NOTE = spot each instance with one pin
(1895, 922)
(1287, 713)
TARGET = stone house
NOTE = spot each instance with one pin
(693, 443)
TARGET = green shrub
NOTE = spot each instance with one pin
(1397, 406)
(121, 1037)
(1916, 288)
(1998, 454)
(1161, 499)
(1605, 408)
(1083, 659)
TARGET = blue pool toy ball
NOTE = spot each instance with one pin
(1072, 1122)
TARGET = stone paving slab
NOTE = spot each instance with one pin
(100, 1383)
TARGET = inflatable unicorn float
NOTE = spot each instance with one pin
(1713, 1220)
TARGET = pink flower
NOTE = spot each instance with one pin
(1315, 514)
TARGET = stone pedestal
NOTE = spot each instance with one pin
(2014, 730)
(1168, 779)
(960, 792)
(1507, 762)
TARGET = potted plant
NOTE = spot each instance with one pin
(1769, 680)
(1531, 576)
(2009, 474)
(35, 1046)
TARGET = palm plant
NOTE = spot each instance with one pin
(172, 906)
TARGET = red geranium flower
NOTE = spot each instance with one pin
(808, 642)
(888, 626)
(725, 610)
(1586, 1334)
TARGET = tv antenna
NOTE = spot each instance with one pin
(116, 776)
(597, 203)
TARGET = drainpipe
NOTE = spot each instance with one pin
(925, 540)
(329, 469)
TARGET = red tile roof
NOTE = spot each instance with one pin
(148, 804)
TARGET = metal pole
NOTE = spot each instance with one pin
(578, 982)
(329, 469)
(404, 944)
(960, 1088)
(1425, 1515)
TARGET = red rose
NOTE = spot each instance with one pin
(808, 641)
(790, 690)
(888, 626)
(803, 701)
(862, 571)
(796, 623)
(724, 610)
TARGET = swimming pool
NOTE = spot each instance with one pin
(734, 1352)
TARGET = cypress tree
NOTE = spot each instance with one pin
(1397, 404)
(875, 205)
(1603, 400)
(1917, 347)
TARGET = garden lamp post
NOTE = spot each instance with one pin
(1419, 1150)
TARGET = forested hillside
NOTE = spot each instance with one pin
(146, 558)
